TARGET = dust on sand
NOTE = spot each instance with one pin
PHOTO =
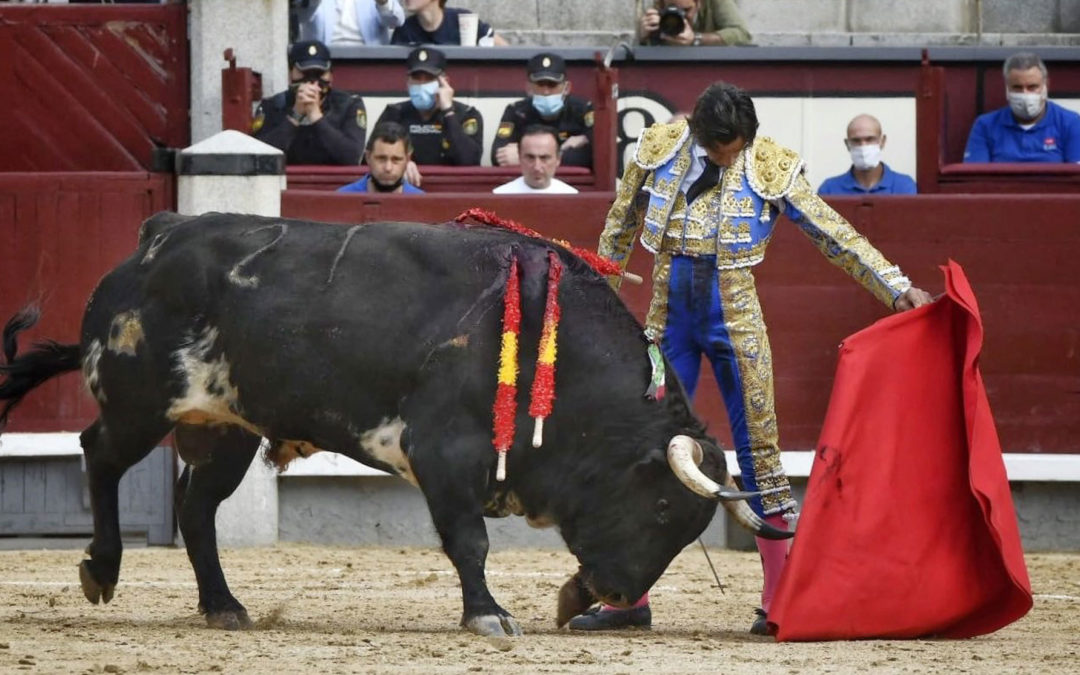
(342, 610)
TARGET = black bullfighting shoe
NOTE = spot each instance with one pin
(761, 623)
(600, 618)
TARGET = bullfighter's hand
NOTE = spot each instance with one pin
(912, 298)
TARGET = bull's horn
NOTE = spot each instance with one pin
(745, 516)
(684, 454)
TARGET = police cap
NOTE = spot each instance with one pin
(427, 60)
(309, 55)
(546, 66)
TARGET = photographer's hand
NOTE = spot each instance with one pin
(685, 38)
(650, 22)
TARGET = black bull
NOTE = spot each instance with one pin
(381, 342)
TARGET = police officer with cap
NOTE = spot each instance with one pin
(442, 130)
(549, 103)
(311, 122)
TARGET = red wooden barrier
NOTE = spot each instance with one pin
(91, 88)
(436, 178)
(1022, 275)
(59, 233)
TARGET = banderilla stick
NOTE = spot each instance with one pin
(709, 560)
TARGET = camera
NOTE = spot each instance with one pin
(672, 21)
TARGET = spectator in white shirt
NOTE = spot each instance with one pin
(345, 23)
(539, 153)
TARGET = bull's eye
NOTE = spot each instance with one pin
(662, 511)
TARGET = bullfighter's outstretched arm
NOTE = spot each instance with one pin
(842, 244)
(624, 220)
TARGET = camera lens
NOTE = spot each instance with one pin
(672, 21)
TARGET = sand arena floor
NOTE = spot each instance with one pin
(343, 610)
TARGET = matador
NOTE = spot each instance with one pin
(705, 195)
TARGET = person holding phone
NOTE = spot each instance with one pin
(311, 122)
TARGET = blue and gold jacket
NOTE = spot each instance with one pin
(733, 220)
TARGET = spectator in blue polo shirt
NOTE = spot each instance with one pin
(388, 153)
(1030, 128)
(868, 174)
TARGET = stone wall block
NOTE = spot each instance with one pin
(911, 16)
(1010, 16)
(587, 16)
(1068, 16)
(778, 16)
(509, 15)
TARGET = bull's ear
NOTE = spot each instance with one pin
(653, 459)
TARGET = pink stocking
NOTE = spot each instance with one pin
(773, 556)
(642, 601)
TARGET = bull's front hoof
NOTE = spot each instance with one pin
(229, 620)
(94, 591)
(491, 625)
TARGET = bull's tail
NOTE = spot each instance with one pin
(19, 375)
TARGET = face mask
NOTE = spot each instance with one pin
(865, 157)
(1026, 106)
(423, 95)
(383, 187)
(549, 105)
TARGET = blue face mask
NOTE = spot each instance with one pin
(548, 106)
(423, 95)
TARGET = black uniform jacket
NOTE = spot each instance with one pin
(452, 139)
(575, 119)
(337, 138)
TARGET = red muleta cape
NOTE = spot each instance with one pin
(908, 528)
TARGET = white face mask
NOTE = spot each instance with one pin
(1026, 105)
(867, 156)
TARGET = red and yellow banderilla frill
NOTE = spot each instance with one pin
(543, 389)
(506, 393)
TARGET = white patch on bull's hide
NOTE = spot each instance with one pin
(210, 397)
(152, 250)
(91, 376)
(384, 444)
(125, 333)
